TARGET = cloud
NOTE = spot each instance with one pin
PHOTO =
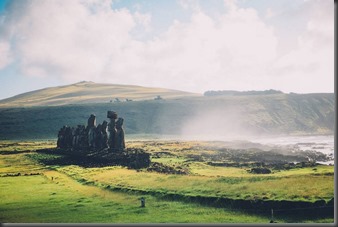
(231, 5)
(90, 40)
(311, 63)
(73, 41)
(214, 54)
(6, 55)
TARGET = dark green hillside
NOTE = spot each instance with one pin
(213, 116)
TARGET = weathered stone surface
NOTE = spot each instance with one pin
(103, 144)
(91, 121)
(119, 136)
(106, 135)
(112, 129)
(91, 128)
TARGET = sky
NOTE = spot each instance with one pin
(189, 45)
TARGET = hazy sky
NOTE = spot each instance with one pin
(188, 45)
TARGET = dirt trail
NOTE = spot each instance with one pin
(89, 190)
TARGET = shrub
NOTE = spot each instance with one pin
(260, 170)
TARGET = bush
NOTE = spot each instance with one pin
(260, 170)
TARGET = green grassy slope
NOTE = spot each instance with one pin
(52, 197)
(88, 92)
(269, 114)
(34, 192)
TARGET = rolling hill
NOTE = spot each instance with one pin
(181, 114)
(89, 92)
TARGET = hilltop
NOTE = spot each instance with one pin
(89, 92)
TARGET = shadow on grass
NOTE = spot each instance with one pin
(131, 158)
(287, 211)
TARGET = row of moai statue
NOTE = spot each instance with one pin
(106, 135)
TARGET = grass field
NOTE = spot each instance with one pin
(32, 192)
(62, 200)
(294, 186)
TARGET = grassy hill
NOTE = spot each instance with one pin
(208, 117)
(89, 92)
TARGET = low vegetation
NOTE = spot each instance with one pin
(183, 184)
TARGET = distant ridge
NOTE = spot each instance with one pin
(232, 92)
(90, 92)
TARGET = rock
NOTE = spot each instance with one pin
(119, 136)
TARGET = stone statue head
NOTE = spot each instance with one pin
(92, 121)
(111, 114)
(119, 122)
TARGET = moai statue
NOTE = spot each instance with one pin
(120, 144)
(91, 121)
(111, 129)
(83, 138)
(104, 134)
(65, 133)
(61, 138)
(91, 127)
(75, 137)
(68, 137)
(98, 137)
